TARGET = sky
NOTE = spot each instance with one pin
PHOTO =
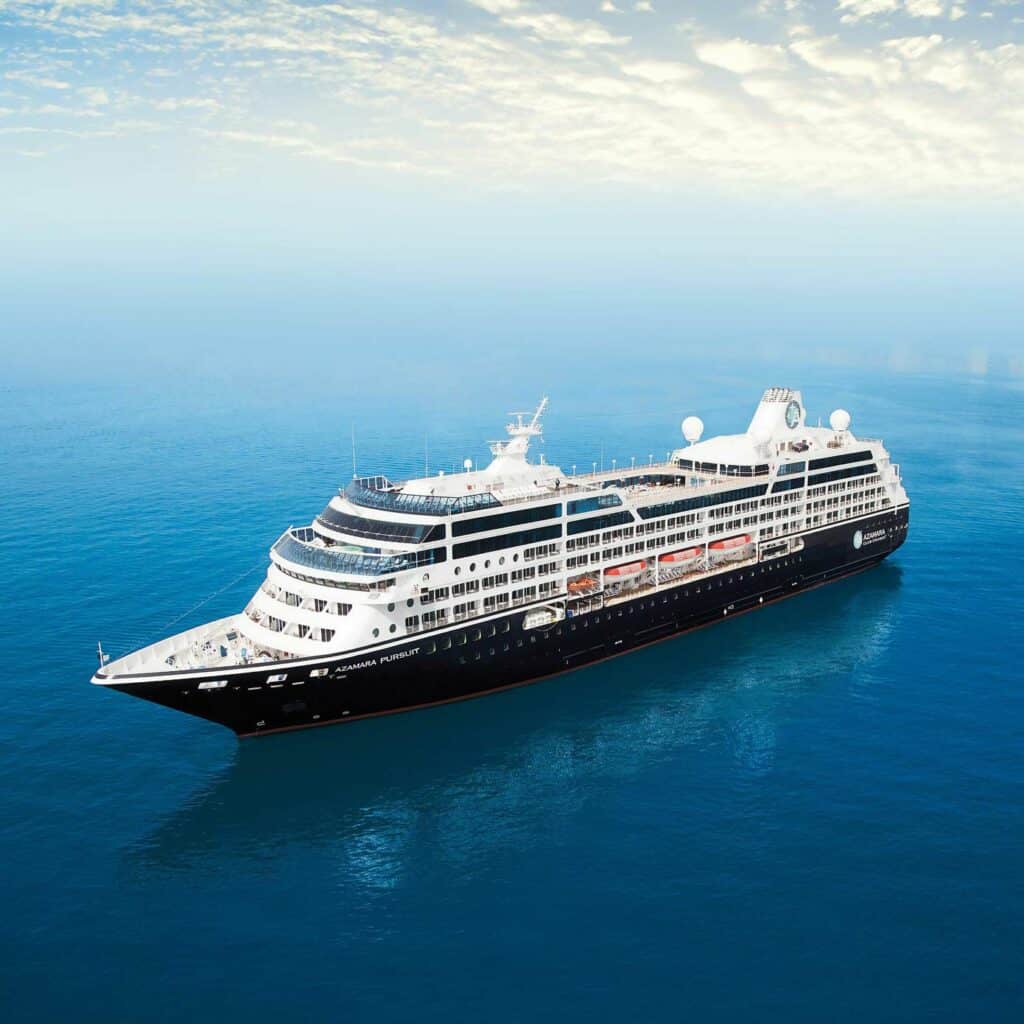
(691, 157)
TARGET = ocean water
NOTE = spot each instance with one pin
(811, 813)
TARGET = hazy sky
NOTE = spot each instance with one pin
(853, 148)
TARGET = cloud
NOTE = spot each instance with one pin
(205, 103)
(37, 81)
(741, 56)
(559, 29)
(925, 8)
(516, 94)
(859, 10)
(913, 47)
(832, 56)
(660, 70)
(94, 95)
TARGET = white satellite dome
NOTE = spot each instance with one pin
(467, 464)
(839, 420)
(693, 427)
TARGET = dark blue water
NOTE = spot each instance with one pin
(811, 813)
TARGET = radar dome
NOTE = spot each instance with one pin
(693, 427)
(840, 420)
(467, 464)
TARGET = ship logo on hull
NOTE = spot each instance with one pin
(858, 539)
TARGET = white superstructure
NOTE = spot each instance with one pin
(385, 560)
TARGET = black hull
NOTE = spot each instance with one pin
(362, 684)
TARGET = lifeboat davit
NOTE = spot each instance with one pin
(731, 543)
(673, 558)
(625, 572)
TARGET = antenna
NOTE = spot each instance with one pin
(520, 433)
(426, 456)
(353, 451)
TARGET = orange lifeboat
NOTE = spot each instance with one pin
(672, 558)
(731, 543)
(625, 572)
(583, 585)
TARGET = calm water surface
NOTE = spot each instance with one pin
(815, 812)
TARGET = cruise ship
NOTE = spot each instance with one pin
(405, 595)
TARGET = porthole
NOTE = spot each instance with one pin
(487, 563)
(409, 603)
(392, 628)
(515, 558)
(458, 570)
(472, 566)
(376, 632)
(501, 561)
(391, 607)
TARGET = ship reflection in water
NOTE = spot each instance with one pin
(469, 777)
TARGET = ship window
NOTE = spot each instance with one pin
(593, 504)
(839, 460)
(460, 639)
(378, 529)
(446, 643)
(391, 607)
(429, 647)
(492, 629)
(392, 628)
(505, 519)
(376, 632)
(507, 540)
(475, 635)
(599, 522)
(409, 603)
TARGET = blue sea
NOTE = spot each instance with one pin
(811, 813)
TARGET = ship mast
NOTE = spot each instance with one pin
(520, 433)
